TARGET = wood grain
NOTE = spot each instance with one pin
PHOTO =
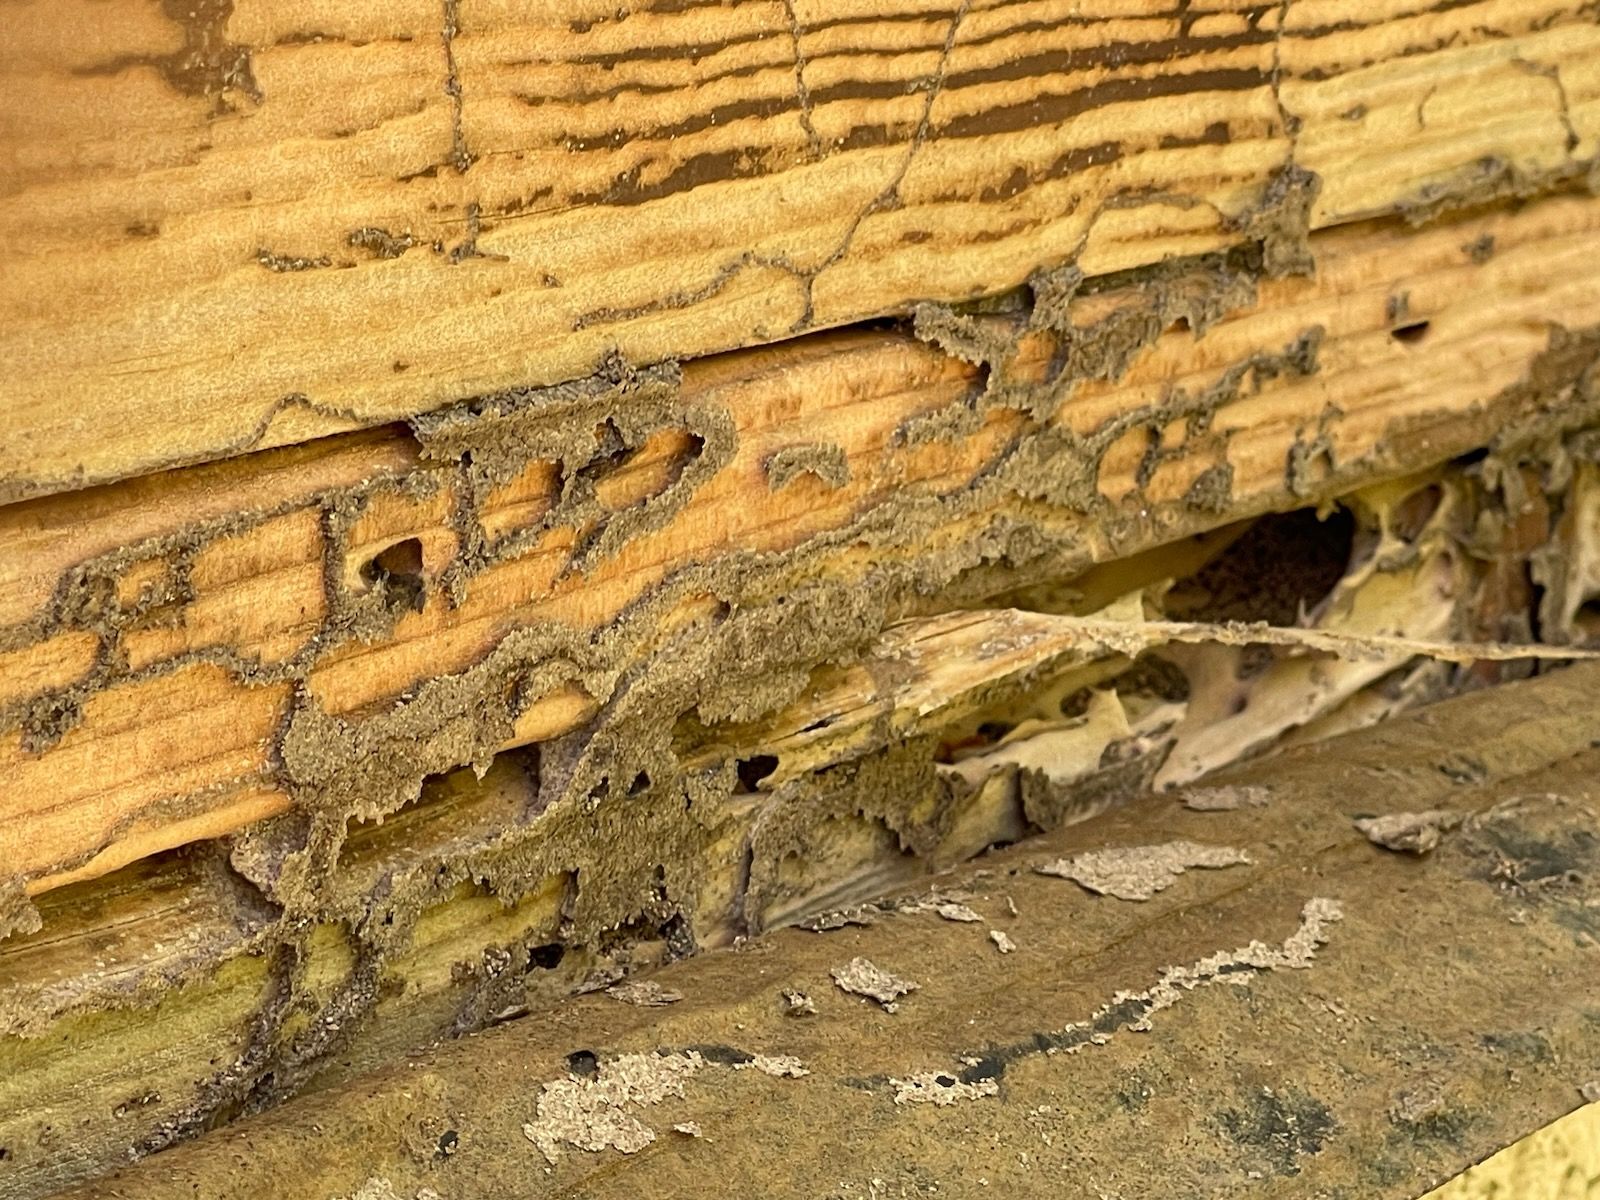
(226, 601)
(236, 224)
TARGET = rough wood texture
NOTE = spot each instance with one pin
(320, 627)
(187, 988)
(1271, 1028)
(241, 223)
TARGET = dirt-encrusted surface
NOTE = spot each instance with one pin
(607, 823)
(1270, 1028)
(485, 901)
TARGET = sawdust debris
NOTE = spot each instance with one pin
(646, 993)
(1139, 872)
(940, 1089)
(864, 978)
(688, 1129)
(1408, 832)
(1002, 942)
(957, 912)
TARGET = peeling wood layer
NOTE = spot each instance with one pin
(523, 195)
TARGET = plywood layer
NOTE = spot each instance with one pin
(241, 223)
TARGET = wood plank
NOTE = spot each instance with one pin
(264, 656)
(1304, 1043)
(247, 224)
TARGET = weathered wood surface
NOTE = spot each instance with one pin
(188, 654)
(234, 224)
(1328, 1019)
(173, 994)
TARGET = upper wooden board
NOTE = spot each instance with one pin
(232, 224)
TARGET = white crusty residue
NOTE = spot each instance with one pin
(939, 1088)
(865, 978)
(780, 1066)
(378, 1188)
(1224, 799)
(1408, 832)
(646, 993)
(861, 914)
(596, 1113)
(1139, 872)
(599, 1111)
(1294, 954)
(797, 1004)
(1131, 1011)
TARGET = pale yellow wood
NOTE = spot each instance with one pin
(1558, 1162)
(238, 225)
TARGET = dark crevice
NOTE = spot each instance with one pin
(547, 957)
(396, 571)
(1283, 566)
(753, 770)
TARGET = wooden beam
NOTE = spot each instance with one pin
(249, 224)
(320, 627)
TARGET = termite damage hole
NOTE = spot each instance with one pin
(1410, 334)
(753, 770)
(397, 572)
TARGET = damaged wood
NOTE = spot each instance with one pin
(1208, 1038)
(475, 904)
(274, 222)
(322, 627)
(439, 593)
